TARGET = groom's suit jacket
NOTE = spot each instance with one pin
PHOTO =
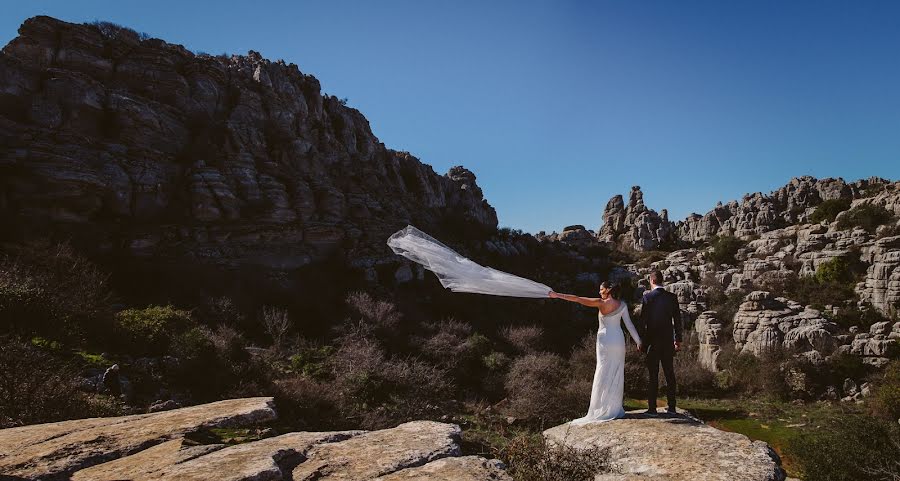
(660, 318)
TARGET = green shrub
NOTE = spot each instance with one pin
(850, 447)
(311, 361)
(828, 210)
(835, 270)
(150, 330)
(723, 249)
(886, 397)
(866, 216)
(495, 361)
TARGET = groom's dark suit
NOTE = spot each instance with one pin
(661, 323)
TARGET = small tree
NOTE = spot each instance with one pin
(723, 249)
(277, 324)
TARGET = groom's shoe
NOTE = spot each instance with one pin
(651, 413)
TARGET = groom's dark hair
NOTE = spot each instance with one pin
(656, 277)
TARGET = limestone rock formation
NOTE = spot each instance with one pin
(673, 448)
(882, 284)
(877, 346)
(635, 226)
(139, 148)
(765, 323)
(153, 447)
(709, 331)
(758, 213)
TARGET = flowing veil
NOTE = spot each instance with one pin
(458, 273)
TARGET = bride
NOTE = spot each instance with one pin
(609, 377)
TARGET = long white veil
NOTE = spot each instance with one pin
(458, 273)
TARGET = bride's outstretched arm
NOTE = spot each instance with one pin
(630, 326)
(584, 301)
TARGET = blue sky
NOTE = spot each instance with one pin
(558, 105)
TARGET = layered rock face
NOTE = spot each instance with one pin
(153, 447)
(882, 284)
(765, 323)
(141, 148)
(634, 226)
(709, 336)
(679, 447)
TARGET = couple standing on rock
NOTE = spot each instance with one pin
(660, 318)
(660, 321)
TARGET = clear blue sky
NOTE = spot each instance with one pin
(558, 105)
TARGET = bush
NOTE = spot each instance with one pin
(50, 290)
(692, 377)
(886, 397)
(751, 375)
(829, 209)
(308, 405)
(310, 361)
(866, 216)
(149, 331)
(371, 316)
(849, 448)
(723, 249)
(36, 387)
(114, 31)
(524, 339)
(534, 385)
(835, 270)
(376, 392)
(532, 458)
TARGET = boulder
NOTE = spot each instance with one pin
(669, 448)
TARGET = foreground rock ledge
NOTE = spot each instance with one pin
(672, 448)
(152, 447)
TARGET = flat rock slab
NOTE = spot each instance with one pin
(55, 450)
(378, 453)
(262, 460)
(672, 448)
(151, 447)
(464, 468)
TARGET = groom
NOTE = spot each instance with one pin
(661, 323)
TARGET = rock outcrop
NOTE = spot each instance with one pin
(709, 337)
(153, 447)
(678, 447)
(140, 149)
(48, 451)
(882, 284)
(765, 323)
(634, 226)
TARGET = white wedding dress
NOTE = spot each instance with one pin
(608, 388)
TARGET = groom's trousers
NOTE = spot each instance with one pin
(657, 355)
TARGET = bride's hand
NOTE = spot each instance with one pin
(551, 295)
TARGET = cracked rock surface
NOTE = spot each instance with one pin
(152, 447)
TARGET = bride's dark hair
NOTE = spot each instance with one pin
(615, 290)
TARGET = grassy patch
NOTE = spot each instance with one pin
(774, 422)
(93, 359)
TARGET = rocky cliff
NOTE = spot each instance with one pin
(137, 148)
